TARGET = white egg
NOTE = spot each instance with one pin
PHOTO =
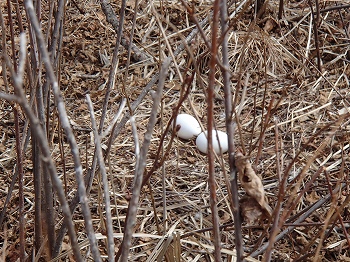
(218, 137)
(189, 126)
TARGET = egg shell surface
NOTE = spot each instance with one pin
(218, 136)
(189, 126)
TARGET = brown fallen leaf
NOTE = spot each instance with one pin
(269, 25)
(251, 182)
(251, 211)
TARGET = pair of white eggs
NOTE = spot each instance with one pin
(189, 128)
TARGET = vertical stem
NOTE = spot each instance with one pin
(38, 132)
(63, 117)
(13, 48)
(59, 14)
(164, 196)
(210, 125)
(259, 7)
(63, 158)
(37, 193)
(20, 187)
(276, 213)
(48, 203)
(113, 70)
(315, 27)
(230, 132)
(280, 10)
(101, 163)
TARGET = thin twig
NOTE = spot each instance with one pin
(141, 165)
(277, 210)
(330, 218)
(338, 7)
(20, 162)
(210, 126)
(38, 132)
(37, 171)
(158, 161)
(101, 163)
(277, 150)
(315, 27)
(8, 197)
(230, 132)
(117, 129)
(67, 128)
(263, 131)
(126, 43)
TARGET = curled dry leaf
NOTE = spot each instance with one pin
(251, 182)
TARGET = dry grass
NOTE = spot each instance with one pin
(276, 82)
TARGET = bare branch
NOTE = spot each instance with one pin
(230, 131)
(38, 132)
(67, 128)
(210, 126)
(113, 20)
(104, 180)
(9, 97)
(133, 204)
(147, 88)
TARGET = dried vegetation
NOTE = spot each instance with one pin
(289, 77)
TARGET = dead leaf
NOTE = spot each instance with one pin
(269, 25)
(301, 240)
(191, 159)
(313, 197)
(251, 182)
(251, 211)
